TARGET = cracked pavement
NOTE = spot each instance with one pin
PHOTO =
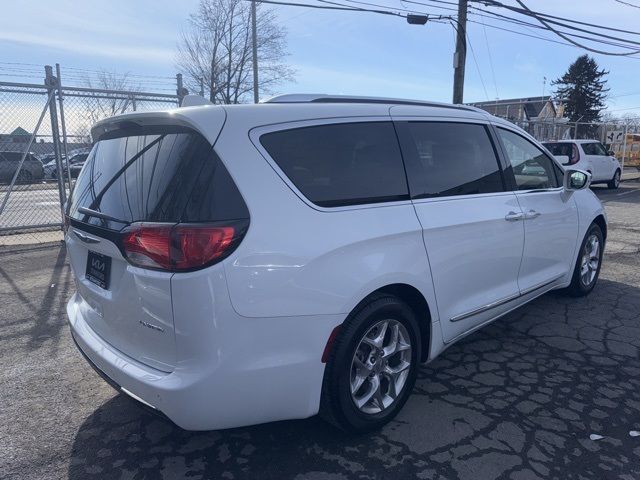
(551, 390)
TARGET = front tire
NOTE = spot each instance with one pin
(372, 366)
(615, 181)
(587, 269)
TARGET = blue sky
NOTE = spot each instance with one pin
(333, 52)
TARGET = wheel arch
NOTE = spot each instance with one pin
(602, 223)
(418, 304)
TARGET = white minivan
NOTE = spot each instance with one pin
(590, 156)
(243, 264)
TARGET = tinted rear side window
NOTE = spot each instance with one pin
(156, 176)
(341, 164)
(446, 159)
(595, 148)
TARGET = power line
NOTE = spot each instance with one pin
(524, 34)
(567, 36)
(623, 95)
(622, 109)
(627, 4)
(546, 23)
(326, 7)
(538, 37)
(432, 18)
(626, 43)
(475, 60)
(506, 19)
(449, 9)
(495, 3)
(391, 10)
(493, 72)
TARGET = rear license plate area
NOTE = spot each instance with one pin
(98, 269)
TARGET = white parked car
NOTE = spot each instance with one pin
(250, 263)
(590, 156)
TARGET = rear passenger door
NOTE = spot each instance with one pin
(601, 164)
(550, 213)
(470, 222)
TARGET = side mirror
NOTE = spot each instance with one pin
(563, 159)
(576, 179)
(611, 153)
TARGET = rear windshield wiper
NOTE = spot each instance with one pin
(104, 216)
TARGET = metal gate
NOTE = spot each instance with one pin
(44, 139)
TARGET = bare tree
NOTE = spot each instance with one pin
(216, 48)
(108, 104)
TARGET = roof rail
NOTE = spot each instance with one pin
(324, 98)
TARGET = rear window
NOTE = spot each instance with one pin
(155, 175)
(341, 164)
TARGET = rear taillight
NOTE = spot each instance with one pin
(180, 247)
(148, 245)
(575, 155)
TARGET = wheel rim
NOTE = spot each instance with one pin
(616, 179)
(380, 366)
(590, 260)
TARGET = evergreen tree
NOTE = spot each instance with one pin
(583, 90)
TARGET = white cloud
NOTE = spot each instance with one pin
(103, 49)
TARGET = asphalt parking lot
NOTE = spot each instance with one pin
(549, 391)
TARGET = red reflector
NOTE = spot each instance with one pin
(329, 346)
(176, 247)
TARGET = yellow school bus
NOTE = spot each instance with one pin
(632, 155)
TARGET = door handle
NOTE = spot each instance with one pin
(531, 214)
(513, 216)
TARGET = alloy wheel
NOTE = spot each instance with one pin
(380, 366)
(590, 260)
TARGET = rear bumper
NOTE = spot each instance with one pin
(230, 373)
(115, 386)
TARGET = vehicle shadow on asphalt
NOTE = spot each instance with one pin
(629, 192)
(517, 399)
(43, 317)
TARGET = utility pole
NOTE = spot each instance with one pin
(460, 55)
(254, 31)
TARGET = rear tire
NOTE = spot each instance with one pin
(372, 366)
(588, 263)
(615, 181)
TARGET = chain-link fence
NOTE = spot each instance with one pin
(45, 136)
(621, 136)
